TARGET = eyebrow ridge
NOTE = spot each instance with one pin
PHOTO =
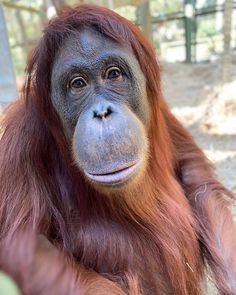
(83, 67)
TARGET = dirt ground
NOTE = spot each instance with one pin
(207, 109)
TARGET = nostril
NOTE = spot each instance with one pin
(108, 112)
(102, 114)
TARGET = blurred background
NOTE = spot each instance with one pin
(195, 41)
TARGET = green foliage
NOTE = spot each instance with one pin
(128, 12)
(24, 30)
(159, 7)
(19, 60)
(207, 26)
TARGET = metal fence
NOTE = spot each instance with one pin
(192, 34)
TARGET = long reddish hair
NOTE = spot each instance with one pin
(42, 191)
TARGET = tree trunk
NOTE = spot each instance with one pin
(144, 17)
(227, 40)
(22, 30)
(58, 4)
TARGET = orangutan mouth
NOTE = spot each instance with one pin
(115, 177)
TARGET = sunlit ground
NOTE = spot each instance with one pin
(207, 109)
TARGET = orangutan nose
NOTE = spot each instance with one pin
(102, 112)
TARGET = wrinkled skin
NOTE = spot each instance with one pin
(99, 92)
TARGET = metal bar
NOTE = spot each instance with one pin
(180, 15)
(189, 15)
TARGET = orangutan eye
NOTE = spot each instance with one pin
(77, 82)
(113, 73)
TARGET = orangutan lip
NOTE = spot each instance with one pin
(114, 177)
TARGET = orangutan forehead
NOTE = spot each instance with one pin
(89, 48)
(89, 42)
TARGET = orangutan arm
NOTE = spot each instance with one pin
(52, 273)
